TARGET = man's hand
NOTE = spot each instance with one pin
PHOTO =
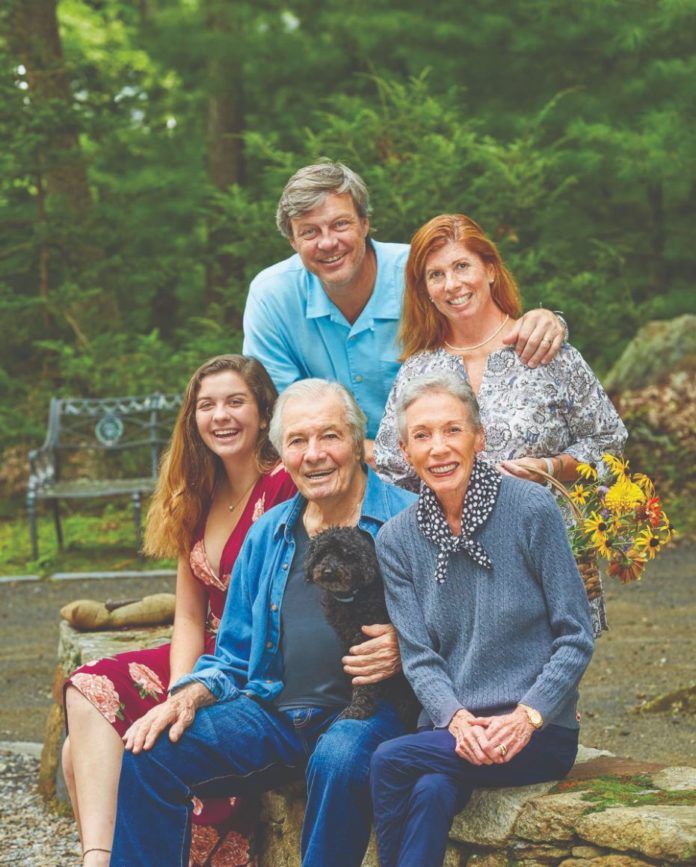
(178, 711)
(471, 738)
(376, 659)
(506, 734)
(537, 337)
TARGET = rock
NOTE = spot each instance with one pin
(587, 851)
(663, 833)
(522, 852)
(587, 754)
(607, 861)
(551, 818)
(658, 348)
(490, 816)
(487, 859)
(679, 779)
(682, 700)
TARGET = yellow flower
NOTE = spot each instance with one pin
(587, 471)
(618, 466)
(601, 545)
(596, 524)
(579, 494)
(650, 542)
(667, 528)
(645, 484)
(623, 496)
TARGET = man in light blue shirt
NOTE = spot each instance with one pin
(332, 310)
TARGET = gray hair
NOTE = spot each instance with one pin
(445, 381)
(311, 390)
(309, 186)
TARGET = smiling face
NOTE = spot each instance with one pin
(458, 282)
(330, 240)
(441, 443)
(227, 416)
(318, 449)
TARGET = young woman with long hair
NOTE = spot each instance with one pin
(218, 476)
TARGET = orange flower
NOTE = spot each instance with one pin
(627, 567)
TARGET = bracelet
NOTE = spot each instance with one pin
(549, 466)
(95, 849)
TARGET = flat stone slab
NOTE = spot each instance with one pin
(490, 816)
(609, 765)
(77, 648)
(679, 779)
(126, 573)
(551, 818)
(664, 833)
(11, 579)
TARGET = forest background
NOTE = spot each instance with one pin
(145, 145)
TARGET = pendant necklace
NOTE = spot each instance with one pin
(232, 507)
(483, 342)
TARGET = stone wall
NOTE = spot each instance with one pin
(609, 812)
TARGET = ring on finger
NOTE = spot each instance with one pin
(546, 340)
(502, 749)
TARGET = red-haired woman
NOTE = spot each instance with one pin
(460, 301)
(218, 476)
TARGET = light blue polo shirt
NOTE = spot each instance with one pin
(296, 331)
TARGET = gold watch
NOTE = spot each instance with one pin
(534, 717)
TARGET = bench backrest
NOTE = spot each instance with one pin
(110, 426)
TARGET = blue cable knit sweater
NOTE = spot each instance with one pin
(488, 639)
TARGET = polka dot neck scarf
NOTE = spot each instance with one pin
(479, 500)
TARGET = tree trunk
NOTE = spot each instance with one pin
(225, 123)
(39, 47)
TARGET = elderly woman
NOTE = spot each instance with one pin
(493, 624)
(263, 708)
(460, 302)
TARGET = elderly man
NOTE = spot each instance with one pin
(263, 708)
(333, 309)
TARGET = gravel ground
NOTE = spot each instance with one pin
(29, 833)
(650, 649)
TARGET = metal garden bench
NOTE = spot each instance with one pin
(106, 447)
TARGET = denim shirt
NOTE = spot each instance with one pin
(296, 331)
(247, 656)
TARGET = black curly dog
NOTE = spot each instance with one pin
(342, 561)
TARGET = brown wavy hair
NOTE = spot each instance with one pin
(422, 326)
(189, 470)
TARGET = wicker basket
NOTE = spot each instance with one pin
(587, 565)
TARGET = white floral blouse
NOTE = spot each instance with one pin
(558, 408)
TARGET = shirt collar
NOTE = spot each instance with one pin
(374, 510)
(384, 303)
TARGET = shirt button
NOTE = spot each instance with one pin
(269, 644)
(269, 681)
(274, 607)
(285, 565)
(358, 378)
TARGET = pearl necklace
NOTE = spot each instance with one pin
(483, 342)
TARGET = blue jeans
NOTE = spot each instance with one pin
(419, 784)
(245, 747)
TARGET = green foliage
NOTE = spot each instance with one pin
(636, 791)
(98, 539)
(561, 127)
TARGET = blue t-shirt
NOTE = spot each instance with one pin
(294, 329)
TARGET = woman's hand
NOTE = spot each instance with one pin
(523, 468)
(178, 711)
(506, 735)
(376, 659)
(537, 336)
(471, 738)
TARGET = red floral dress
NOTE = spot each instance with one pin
(124, 687)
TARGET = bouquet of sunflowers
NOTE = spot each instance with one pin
(621, 518)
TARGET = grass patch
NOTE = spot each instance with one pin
(615, 791)
(96, 538)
